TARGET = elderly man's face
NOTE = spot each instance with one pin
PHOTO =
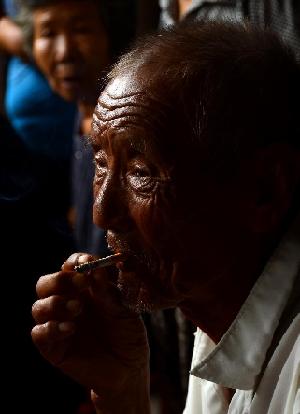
(156, 207)
(70, 46)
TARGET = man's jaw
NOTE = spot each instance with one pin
(134, 277)
(145, 279)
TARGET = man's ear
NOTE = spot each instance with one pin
(277, 177)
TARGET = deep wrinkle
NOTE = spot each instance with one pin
(131, 99)
(158, 215)
(113, 108)
(129, 113)
(201, 240)
(123, 133)
(173, 234)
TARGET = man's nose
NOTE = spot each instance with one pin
(110, 210)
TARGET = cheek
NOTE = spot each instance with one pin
(143, 213)
(96, 202)
(42, 55)
(154, 220)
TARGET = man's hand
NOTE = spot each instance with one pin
(83, 329)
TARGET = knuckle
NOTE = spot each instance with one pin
(50, 327)
(35, 335)
(53, 303)
(45, 309)
(40, 285)
(42, 336)
(35, 309)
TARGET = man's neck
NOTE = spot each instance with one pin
(214, 308)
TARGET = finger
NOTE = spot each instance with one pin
(62, 283)
(75, 259)
(56, 308)
(49, 339)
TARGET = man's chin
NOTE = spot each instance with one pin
(134, 295)
(139, 297)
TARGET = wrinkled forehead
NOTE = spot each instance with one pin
(120, 101)
(122, 86)
(123, 102)
(128, 104)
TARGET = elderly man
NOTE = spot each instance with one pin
(197, 178)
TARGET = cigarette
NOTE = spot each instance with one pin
(95, 264)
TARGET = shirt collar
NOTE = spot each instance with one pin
(236, 361)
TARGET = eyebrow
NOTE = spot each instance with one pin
(139, 146)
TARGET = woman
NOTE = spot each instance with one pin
(73, 43)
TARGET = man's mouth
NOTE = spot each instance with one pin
(135, 259)
(128, 263)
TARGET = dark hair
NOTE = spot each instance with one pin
(118, 16)
(238, 86)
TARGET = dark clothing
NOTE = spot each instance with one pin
(36, 240)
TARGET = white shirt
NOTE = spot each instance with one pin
(237, 360)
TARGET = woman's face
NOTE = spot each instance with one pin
(70, 46)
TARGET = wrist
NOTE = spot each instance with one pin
(133, 398)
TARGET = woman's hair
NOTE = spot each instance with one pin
(118, 17)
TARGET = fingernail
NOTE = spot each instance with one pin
(74, 306)
(66, 326)
(80, 280)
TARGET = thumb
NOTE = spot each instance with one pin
(75, 259)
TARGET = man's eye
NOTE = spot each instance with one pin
(139, 177)
(140, 172)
